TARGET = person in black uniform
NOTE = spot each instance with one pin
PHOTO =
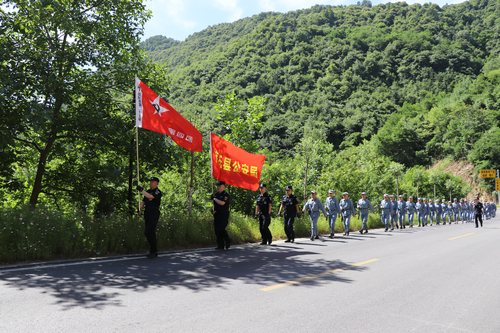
(263, 209)
(152, 200)
(478, 207)
(221, 216)
(291, 206)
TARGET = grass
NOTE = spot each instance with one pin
(32, 235)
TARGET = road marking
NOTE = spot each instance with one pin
(461, 236)
(307, 278)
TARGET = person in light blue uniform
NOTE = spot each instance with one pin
(462, 210)
(410, 209)
(456, 210)
(444, 208)
(314, 206)
(426, 211)
(420, 207)
(394, 212)
(432, 212)
(468, 211)
(494, 210)
(450, 210)
(347, 210)
(385, 211)
(438, 211)
(401, 212)
(363, 205)
(332, 210)
(487, 210)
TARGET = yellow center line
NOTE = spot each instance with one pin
(461, 236)
(289, 283)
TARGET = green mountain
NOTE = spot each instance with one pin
(418, 75)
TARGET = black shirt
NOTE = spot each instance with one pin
(222, 196)
(153, 204)
(263, 201)
(289, 203)
(478, 207)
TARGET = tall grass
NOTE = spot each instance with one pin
(43, 234)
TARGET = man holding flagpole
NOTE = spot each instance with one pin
(221, 216)
(152, 200)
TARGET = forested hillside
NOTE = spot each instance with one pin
(425, 75)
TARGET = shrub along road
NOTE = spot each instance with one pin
(432, 279)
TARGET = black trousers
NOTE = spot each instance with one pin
(221, 220)
(480, 218)
(151, 220)
(290, 234)
(264, 222)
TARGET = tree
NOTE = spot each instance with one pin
(80, 56)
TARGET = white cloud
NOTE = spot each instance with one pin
(230, 6)
(171, 10)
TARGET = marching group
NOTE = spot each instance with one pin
(392, 212)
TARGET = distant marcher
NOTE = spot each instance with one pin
(290, 204)
(410, 208)
(152, 200)
(478, 208)
(420, 207)
(314, 206)
(263, 209)
(394, 212)
(346, 209)
(463, 210)
(221, 216)
(456, 210)
(363, 205)
(426, 211)
(438, 211)
(432, 212)
(401, 212)
(332, 209)
(385, 211)
(451, 213)
(444, 209)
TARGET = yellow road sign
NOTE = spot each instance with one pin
(498, 184)
(488, 173)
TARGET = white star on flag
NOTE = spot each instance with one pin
(159, 109)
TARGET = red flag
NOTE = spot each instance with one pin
(154, 114)
(234, 165)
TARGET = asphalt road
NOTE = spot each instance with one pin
(432, 279)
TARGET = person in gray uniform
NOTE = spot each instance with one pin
(494, 210)
(438, 211)
(347, 210)
(332, 210)
(432, 212)
(363, 206)
(410, 209)
(394, 212)
(450, 210)
(314, 206)
(468, 211)
(401, 212)
(426, 211)
(385, 211)
(462, 210)
(456, 210)
(420, 207)
(444, 209)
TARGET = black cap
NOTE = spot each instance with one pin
(263, 185)
(221, 183)
(154, 179)
(288, 188)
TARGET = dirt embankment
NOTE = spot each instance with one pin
(465, 170)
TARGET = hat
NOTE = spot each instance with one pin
(155, 179)
(331, 191)
(314, 192)
(443, 200)
(263, 185)
(288, 188)
(449, 201)
(386, 195)
(477, 198)
(345, 193)
(430, 200)
(419, 199)
(410, 197)
(363, 193)
(392, 196)
(454, 199)
(424, 199)
(400, 196)
(221, 183)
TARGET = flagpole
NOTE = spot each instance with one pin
(137, 145)
(211, 168)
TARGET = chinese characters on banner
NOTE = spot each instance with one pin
(154, 114)
(234, 165)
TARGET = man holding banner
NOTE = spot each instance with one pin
(221, 216)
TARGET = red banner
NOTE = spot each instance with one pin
(154, 114)
(234, 165)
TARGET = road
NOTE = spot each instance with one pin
(432, 279)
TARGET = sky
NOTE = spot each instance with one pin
(180, 18)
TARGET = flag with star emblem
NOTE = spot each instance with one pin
(154, 114)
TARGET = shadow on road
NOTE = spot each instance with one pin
(99, 285)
